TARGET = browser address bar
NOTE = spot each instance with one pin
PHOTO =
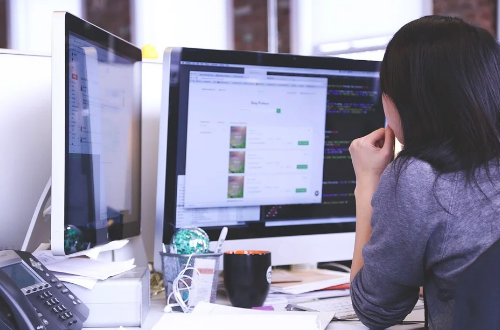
(272, 82)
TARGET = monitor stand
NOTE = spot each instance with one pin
(39, 228)
(39, 234)
(308, 266)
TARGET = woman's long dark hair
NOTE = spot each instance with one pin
(443, 76)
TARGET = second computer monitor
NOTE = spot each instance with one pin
(96, 136)
(259, 143)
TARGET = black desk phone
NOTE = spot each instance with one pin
(31, 298)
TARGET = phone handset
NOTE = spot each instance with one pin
(23, 313)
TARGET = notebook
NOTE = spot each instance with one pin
(311, 280)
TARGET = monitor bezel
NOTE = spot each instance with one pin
(64, 23)
(167, 179)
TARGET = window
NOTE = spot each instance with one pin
(110, 15)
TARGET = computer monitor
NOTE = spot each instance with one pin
(96, 136)
(259, 143)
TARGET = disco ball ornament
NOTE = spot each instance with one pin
(189, 241)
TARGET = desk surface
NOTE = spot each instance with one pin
(158, 303)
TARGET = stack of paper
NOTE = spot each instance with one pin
(211, 316)
(310, 280)
(286, 298)
(83, 269)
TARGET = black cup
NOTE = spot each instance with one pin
(247, 277)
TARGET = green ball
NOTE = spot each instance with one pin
(190, 240)
(74, 240)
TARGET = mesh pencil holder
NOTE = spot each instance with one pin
(192, 285)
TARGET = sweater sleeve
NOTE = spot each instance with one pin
(405, 216)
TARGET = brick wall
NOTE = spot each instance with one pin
(479, 12)
(250, 25)
(110, 15)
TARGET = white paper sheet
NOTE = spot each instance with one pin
(83, 271)
(321, 318)
(190, 321)
(94, 252)
(46, 257)
(86, 282)
(96, 269)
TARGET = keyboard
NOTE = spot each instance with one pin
(342, 306)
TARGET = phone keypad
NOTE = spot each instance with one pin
(55, 305)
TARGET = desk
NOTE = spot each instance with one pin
(158, 303)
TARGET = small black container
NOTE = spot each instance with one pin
(247, 277)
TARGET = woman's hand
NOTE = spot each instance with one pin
(370, 156)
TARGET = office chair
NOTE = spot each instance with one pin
(477, 297)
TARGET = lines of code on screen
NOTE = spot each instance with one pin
(353, 109)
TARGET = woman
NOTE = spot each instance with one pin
(422, 219)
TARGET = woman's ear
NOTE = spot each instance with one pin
(392, 116)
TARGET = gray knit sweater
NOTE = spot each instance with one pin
(426, 231)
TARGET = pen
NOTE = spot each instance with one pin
(222, 238)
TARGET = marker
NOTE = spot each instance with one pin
(222, 238)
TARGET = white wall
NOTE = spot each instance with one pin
(30, 22)
(339, 20)
(25, 132)
(186, 23)
(315, 22)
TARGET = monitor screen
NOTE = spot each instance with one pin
(98, 168)
(259, 142)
